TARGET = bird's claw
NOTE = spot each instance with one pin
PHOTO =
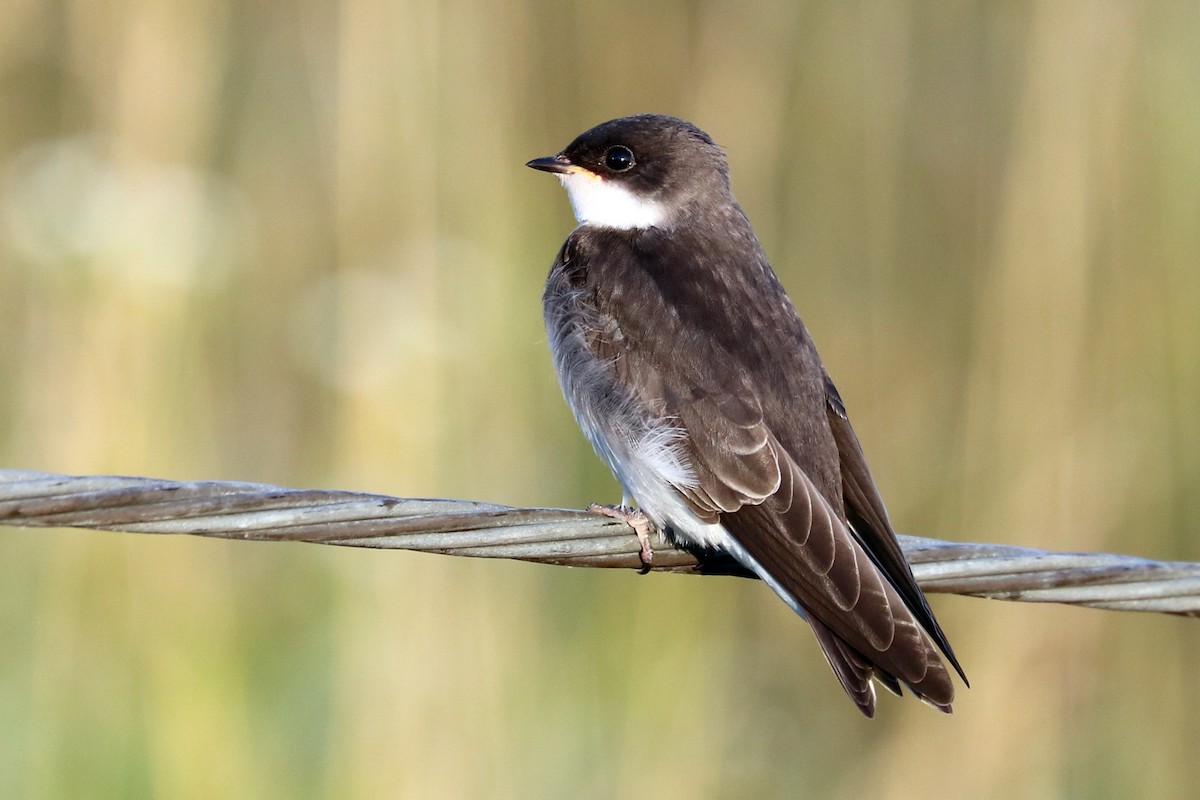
(641, 527)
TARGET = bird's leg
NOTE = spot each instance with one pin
(635, 519)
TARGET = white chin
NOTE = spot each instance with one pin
(604, 204)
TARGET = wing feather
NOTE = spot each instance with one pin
(792, 533)
(762, 439)
(869, 521)
(775, 512)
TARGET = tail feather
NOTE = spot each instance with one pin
(804, 551)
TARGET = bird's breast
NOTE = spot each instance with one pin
(640, 444)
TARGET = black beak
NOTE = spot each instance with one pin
(557, 163)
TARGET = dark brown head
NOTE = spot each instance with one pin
(640, 172)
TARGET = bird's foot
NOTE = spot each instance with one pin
(635, 519)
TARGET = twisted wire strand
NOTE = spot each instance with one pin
(260, 512)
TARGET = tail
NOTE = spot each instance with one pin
(855, 672)
(803, 550)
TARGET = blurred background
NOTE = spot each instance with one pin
(294, 242)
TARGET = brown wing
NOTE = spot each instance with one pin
(806, 552)
(869, 521)
(720, 351)
(748, 481)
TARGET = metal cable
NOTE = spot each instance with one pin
(550, 536)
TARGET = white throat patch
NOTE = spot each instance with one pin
(604, 204)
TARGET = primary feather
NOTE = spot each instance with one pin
(690, 371)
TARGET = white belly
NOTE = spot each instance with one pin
(644, 451)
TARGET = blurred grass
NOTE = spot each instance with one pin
(294, 243)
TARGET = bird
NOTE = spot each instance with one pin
(688, 368)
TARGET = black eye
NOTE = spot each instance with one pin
(619, 158)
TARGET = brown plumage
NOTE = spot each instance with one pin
(689, 369)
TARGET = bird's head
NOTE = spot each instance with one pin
(640, 172)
